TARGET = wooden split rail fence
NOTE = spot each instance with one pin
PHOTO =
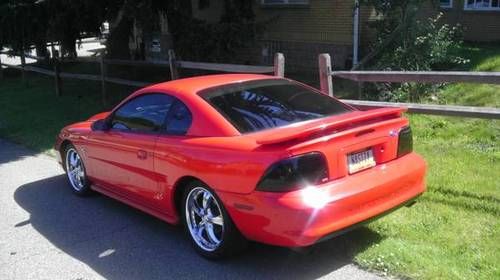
(326, 74)
(278, 69)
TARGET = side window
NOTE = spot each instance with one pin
(179, 119)
(145, 113)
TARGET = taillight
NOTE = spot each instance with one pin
(295, 173)
(405, 141)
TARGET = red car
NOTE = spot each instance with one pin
(242, 157)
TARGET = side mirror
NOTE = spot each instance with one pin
(100, 125)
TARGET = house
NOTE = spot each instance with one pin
(480, 19)
(302, 29)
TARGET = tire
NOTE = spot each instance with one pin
(207, 224)
(75, 171)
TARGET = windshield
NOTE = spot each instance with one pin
(263, 104)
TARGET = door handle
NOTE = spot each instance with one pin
(141, 154)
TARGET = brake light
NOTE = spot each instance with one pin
(295, 173)
(405, 141)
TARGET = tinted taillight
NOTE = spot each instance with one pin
(294, 173)
(405, 141)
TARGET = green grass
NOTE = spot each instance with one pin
(484, 57)
(32, 115)
(453, 232)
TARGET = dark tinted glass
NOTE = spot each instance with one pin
(259, 105)
(143, 114)
(179, 119)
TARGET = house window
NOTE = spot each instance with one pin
(285, 2)
(446, 3)
(482, 5)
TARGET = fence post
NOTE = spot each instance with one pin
(103, 79)
(279, 65)
(173, 67)
(23, 64)
(325, 77)
(1, 69)
(57, 77)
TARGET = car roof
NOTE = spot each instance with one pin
(189, 86)
(207, 121)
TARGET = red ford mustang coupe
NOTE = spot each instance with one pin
(242, 157)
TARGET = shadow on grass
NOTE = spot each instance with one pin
(464, 200)
(465, 194)
(120, 242)
(32, 114)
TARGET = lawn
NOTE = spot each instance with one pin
(453, 232)
(32, 115)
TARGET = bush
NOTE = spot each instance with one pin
(409, 44)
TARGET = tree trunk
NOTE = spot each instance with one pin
(41, 49)
(68, 46)
(117, 43)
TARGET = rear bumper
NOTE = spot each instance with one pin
(304, 217)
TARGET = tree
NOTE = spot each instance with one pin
(198, 40)
(69, 20)
(407, 41)
(123, 13)
(22, 23)
(35, 22)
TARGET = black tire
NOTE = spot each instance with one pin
(79, 186)
(231, 242)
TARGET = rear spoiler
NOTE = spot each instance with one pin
(301, 130)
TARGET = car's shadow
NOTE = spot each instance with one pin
(119, 242)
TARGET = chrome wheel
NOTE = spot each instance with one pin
(75, 169)
(204, 219)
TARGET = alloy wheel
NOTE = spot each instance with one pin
(75, 169)
(204, 218)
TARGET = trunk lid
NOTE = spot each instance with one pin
(339, 136)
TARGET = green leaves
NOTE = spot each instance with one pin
(35, 22)
(406, 42)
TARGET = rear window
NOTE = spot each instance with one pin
(259, 105)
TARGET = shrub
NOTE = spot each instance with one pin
(406, 43)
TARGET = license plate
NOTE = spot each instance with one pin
(360, 161)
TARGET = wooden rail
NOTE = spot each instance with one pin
(225, 67)
(431, 109)
(420, 77)
(277, 69)
(326, 86)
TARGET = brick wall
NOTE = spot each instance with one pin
(478, 26)
(303, 32)
(322, 21)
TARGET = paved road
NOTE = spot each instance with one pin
(48, 233)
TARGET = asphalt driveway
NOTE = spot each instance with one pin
(48, 233)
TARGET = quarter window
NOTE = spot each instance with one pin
(145, 113)
(179, 119)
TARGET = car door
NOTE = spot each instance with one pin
(171, 157)
(122, 157)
